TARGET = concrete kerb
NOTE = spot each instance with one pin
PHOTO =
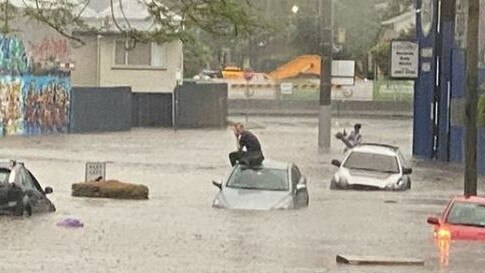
(310, 108)
(302, 113)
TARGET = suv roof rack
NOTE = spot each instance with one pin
(380, 145)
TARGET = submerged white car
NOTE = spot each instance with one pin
(372, 167)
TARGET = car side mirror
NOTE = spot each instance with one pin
(48, 190)
(433, 221)
(300, 187)
(301, 184)
(407, 170)
(302, 181)
(217, 184)
(336, 162)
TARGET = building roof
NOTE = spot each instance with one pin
(86, 12)
(407, 16)
(132, 9)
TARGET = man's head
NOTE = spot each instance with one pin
(238, 128)
(357, 127)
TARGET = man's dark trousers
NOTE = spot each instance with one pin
(254, 158)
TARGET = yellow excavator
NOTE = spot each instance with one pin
(304, 65)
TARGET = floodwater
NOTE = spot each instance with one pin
(177, 230)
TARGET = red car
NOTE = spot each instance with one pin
(462, 219)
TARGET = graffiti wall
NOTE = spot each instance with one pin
(34, 91)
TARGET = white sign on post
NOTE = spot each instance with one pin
(286, 88)
(404, 59)
(95, 171)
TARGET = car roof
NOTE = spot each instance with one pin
(7, 163)
(374, 148)
(269, 164)
(469, 199)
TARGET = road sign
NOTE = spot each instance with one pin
(404, 59)
(95, 171)
(286, 88)
(248, 74)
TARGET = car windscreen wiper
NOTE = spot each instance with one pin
(365, 169)
(391, 172)
(374, 170)
(241, 187)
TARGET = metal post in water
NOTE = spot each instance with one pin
(471, 98)
(247, 101)
(326, 43)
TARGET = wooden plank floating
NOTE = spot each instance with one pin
(377, 260)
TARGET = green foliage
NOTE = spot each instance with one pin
(481, 111)
(382, 52)
(359, 19)
(62, 16)
(7, 13)
(196, 57)
(396, 7)
(173, 20)
(305, 36)
(361, 22)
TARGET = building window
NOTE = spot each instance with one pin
(144, 54)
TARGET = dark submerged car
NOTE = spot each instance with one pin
(20, 192)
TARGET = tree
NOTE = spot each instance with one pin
(172, 20)
(382, 52)
(358, 20)
(395, 7)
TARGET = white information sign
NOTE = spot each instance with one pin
(95, 171)
(404, 59)
(286, 88)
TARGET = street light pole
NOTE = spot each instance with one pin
(471, 98)
(326, 42)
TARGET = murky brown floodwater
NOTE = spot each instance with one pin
(178, 231)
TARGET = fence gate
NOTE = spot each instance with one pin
(199, 105)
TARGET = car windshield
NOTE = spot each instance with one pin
(372, 162)
(466, 213)
(259, 179)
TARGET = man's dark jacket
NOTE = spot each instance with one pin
(253, 155)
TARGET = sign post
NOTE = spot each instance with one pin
(95, 171)
(404, 60)
(248, 75)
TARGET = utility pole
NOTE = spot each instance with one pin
(6, 30)
(471, 98)
(325, 10)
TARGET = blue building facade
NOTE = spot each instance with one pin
(439, 106)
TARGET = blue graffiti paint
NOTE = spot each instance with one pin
(31, 102)
(46, 104)
(13, 59)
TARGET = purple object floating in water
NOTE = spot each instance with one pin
(70, 222)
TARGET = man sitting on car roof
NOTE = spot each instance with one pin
(249, 149)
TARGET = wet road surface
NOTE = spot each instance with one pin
(176, 230)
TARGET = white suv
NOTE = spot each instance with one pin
(372, 167)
